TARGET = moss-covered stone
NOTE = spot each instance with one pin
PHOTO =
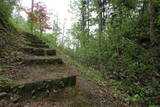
(39, 52)
(38, 45)
(34, 88)
(54, 61)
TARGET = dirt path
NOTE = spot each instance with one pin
(101, 94)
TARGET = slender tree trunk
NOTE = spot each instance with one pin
(83, 22)
(100, 15)
(88, 1)
(40, 30)
(151, 21)
(18, 14)
(32, 7)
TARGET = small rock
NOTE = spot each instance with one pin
(3, 94)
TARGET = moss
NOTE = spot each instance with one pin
(6, 81)
(29, 90)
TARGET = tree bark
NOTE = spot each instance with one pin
(151, 22)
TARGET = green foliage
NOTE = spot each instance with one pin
(124, 44)
(153, 106)
(5, 80)
(54, 91)
(14, 100)
(50, 39)
(34, 97)
(33, 92)
(21, 86)
(6, 9)
(47, 91)
(20, 24)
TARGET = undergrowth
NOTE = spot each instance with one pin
(123, 71)
(10, 38)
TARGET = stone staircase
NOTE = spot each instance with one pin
(45, 71)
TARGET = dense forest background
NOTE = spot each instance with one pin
(120, 39)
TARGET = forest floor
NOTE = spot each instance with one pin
(85, 93)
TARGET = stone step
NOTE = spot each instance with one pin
(36, 42)
(38, 45)
(31, 36)
(30, 89)
(33, 39)
(39, 51)
(43, 61)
